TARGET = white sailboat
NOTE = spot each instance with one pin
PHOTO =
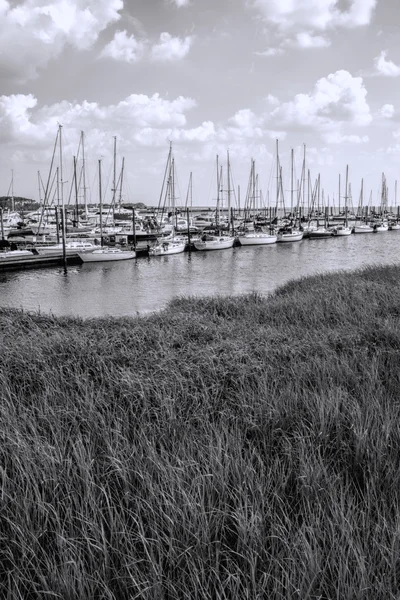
(214, 241)
(255, 237)
(105, 254)
(170, 244)
(288, 233)
(344, 229)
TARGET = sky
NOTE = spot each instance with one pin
(251, 78)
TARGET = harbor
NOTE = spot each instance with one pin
(148, 283)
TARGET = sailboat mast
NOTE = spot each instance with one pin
(101, 205)
(345, 194)
(277, 178)
(217, 211)
(84, 171)
(291, 184)
(121, 180)
(76, 194)
(229, 185)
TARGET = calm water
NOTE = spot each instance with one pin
(147, 284)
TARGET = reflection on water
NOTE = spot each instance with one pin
(148, 284)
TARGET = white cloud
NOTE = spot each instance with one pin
(23, 126)
(334, 137)
(307, 40)
(387, 111)
(338, 98)
(180, 3)
(316, 14)
(35, 31)
(270, 52)
(123, 48)
(171, 48)
(386, 67)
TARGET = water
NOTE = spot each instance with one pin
(145, 285)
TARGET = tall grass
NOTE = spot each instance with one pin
(223, 448)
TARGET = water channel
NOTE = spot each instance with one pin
(144, 285)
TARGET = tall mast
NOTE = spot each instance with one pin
(339, 194)
(277, 177)
(101, 205)
(40, 199)
(229, 186)
(76, 193)
(121, 179)
(84, 171)
(61, 168)
(345, 194)
(291, 184)
(217, 211)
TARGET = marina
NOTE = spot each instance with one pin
(146, 284)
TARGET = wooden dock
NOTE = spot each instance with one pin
(36, 262)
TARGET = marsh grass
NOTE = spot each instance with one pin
(223, 448)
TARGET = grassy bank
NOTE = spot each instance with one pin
(223, 448)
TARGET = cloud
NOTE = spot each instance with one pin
(270, 52)
(386, 67)
(387, 111)
(307, 40)
(338, 98)
(171, 48)
(123, 48)
(315, 14)
(24, 126)
(180, 3)
(297, 22)
(35, 31)
(334, 137)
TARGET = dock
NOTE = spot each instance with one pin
(36, 261)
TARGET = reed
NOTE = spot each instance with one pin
(241, 447)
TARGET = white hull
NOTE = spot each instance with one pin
(215, 243)
(14, 254)
(106, 255)
(363, 229)
(343, 231)
(165, 248)
(257, 239)
(70, 248)
(290, 237)
(381, 228)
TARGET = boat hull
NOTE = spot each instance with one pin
(215, 244)
(257, 239)
(290, 237)
(167, 248)
(363, 229)
(106, 256)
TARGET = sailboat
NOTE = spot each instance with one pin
(287, 233)
(362, 226)
(344, 229)
(256, 237)
(105, 254)
(215, 241)
(169, 244)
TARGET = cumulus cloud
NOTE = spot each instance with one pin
(270, 52)
(316, 14)
(180, 3)
(171, 48)
(338, 98)
(387, 111)
(307, 40)
(34, 31)
(298, 22)
(386, 67)
(334, 137)
(23, 125)
(123, 47)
